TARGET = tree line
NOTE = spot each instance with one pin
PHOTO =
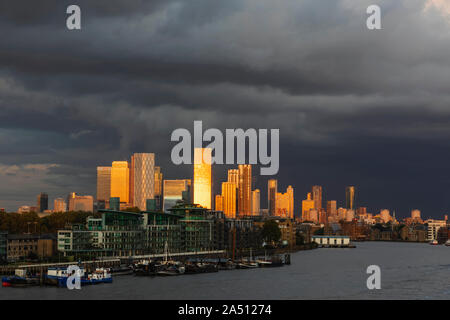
(16, 223)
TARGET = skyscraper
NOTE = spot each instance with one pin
(229, 199)
(271, 196)
(256, 203)
(103, 183)
(317, 197)
(202, 177)
(42, 202)
(233, 176)
(120, 181)
(285, 203)
(158, 187)
(350, 197)
(131, 182)
(307, 206)
(173, 191)
(219, 202)
(245, 190)
(332, 208)
(144, 179)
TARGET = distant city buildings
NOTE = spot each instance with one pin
(173, 192)
(27, 209)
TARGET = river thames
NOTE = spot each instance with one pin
(408, 271)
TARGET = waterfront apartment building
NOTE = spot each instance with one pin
(143, 169)
(173, 192)
(202, 177)
(120, 181)
(103, 184)
(185, 228)
(271, 196)
(59, 205)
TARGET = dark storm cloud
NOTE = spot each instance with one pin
(353, 106)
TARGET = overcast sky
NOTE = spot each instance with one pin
(354, 106)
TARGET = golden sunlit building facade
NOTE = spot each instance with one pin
(229, 199)
(120, 181)
(219, 202)
(233, 176)
(285, 204)
(272, 196)
(256, 202)
(245, 190)
(307, 206)
(202, 177)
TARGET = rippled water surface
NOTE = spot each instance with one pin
(408, 271)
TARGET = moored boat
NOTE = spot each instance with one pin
(20, 279)
(100, 275)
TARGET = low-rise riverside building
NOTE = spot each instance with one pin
(22, 246)
(331, 241)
